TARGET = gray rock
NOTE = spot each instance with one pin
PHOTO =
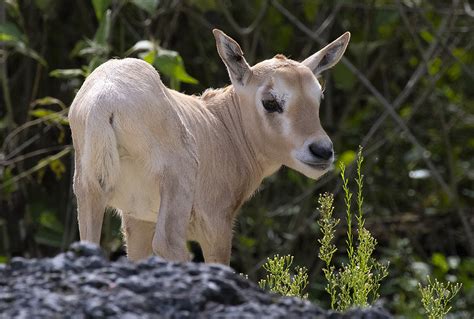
(81, 283)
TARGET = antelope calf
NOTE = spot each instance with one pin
(179, 167)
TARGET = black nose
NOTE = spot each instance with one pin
(322, 150)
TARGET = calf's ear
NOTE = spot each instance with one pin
(328, 56)
(233, 57)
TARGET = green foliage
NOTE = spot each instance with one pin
(407, 270)
(357, 282)
(436, 296)
(100, 7)
(147, 5)
(50, 229)
(49, 115)
(10, 32)
(13, 38)
(168, 62)
(327, 249)
(346, 158)
(344, 79)
(67, 73)
(280, 280)
(327, 225)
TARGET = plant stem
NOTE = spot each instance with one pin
(347, 200)
(360, 185)
(4, 75)
(6, 94)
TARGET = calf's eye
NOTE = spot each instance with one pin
(272, 106)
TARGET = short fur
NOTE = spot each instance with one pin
(179, 167)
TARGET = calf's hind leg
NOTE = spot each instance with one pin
(90, 207)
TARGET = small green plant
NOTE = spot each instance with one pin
(279, 279)
(328, 225)
(357, 282)
(436, 296)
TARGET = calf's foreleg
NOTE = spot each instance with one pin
(177, 184)
(138, 237)
(216, 242)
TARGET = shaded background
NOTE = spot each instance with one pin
(404, 91)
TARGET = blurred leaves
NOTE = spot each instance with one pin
(427, 36)
(49, 221)
(103, 32)
(147, 5)
(13, 38)
(310, 9)
(52, 116)
(168, 62)
(171, 64)
(343, 78)
(50, 229)
(13, 8)
(48, 100)
(346, 158)
(10, 32)
(67, 73)
(44, 5)
(100, 7)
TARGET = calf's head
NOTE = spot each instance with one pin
(280, 101)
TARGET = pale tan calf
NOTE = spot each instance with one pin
(178, 167)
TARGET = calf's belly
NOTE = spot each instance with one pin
(136, 193)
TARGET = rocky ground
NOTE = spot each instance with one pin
(82, 283)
